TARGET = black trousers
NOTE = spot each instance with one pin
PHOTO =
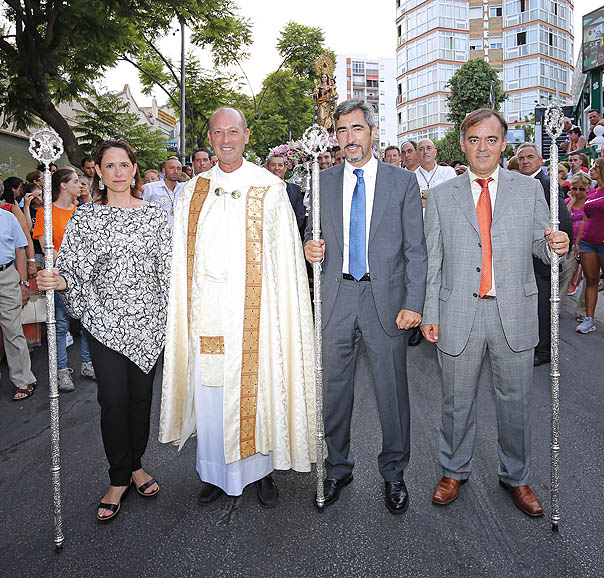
(543, 310)
(124, 394)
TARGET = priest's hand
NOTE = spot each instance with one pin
(430, 332)
(407, 319)
(314, 251)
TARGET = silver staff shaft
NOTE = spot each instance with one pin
(46, 147)
(553, 124)
(316, 268)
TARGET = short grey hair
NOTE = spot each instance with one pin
(529, 145)
(222, 108)
(274, 156)
(351, 105)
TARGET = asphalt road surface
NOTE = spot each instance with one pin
(481, 534)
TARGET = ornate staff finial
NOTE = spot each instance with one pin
(554, 120)
(315, 140)
(45, 145)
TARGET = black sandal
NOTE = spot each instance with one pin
(28, 390)
(115, 508)
(141, 489)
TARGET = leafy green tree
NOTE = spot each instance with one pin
(107, 117)
(51, 52)
(449, 149)
(470, 89)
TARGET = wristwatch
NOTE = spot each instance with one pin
(25, 283)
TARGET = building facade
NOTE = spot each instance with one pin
(373, 80)
(529, 43)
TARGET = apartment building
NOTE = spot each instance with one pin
(529, 43)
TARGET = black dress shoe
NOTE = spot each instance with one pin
(416, 336)
(332, 488)
(397, 497)
(209, 493)
(540, 359)
(268, 492)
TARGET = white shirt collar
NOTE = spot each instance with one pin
(369, 168)
(494, 175)
(536, 172)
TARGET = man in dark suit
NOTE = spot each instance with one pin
(373, 285)
(276, 165)
(530, 163)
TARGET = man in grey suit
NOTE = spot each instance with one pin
(373, 285)
(482, 229)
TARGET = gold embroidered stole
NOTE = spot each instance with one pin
(251, 320)
(202, 187)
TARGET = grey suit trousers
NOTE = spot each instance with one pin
(355, 317)
(512, 377)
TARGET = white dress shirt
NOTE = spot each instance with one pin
(350, 181)
(429, 179)
(157, 192)
(476, 190)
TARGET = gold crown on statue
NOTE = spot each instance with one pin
(325, 65)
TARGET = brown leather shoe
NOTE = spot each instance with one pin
(524, 499)
(446, 490)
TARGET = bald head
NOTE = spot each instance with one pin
(229, 113)
(426, 154)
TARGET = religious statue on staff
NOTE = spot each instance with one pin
(325, 96)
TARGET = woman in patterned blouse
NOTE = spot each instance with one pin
(113, 274)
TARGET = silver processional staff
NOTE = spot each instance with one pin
(46, 146)
(315, 142)
(553, 122)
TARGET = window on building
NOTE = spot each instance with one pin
(524, 5)
(475, 12)
(358, 67)
(496, 42)
(398, 30)
(495, 11)
(520, 38)
(475, 44)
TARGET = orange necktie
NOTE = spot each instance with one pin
(483, 211)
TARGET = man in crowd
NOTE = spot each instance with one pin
(373, 282)
(409, 155)
(13, 296)
(392, 156)
(276, 165)
(202, 160)
(530, 162)
(167, 191)
(87, 166)
(481, 229)
(325, 160)
(594, 118)
(575, 162)
(239, 357)
(338, 155)
(429, 173)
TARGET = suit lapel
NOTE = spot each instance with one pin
(334, 190)
(381, 197)
(504, 194)
(462, 192)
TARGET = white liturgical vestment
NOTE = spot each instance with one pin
(239, 359)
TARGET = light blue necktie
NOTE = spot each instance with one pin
(356, 242)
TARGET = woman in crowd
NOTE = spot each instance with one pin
(32, 203)
(113, 273)
(8, 203)
(591, 245)
(85, 196)
(65, 194)
(513, 164)
(577, 140)
(563, 180)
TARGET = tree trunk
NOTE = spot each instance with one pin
(46, 110)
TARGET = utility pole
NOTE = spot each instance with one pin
(183, 154)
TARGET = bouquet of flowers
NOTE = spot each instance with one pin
(293, 154)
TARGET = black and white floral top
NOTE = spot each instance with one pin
(117, 265)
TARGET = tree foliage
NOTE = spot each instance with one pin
(107, 117)
(470, 89)
(449, 149)
(51, 52)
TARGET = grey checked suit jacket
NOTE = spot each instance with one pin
(455, 255)
(397, 249)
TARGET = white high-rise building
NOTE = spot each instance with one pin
(374, 81)
(529, 43)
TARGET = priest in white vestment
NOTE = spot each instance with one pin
(239, 358)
